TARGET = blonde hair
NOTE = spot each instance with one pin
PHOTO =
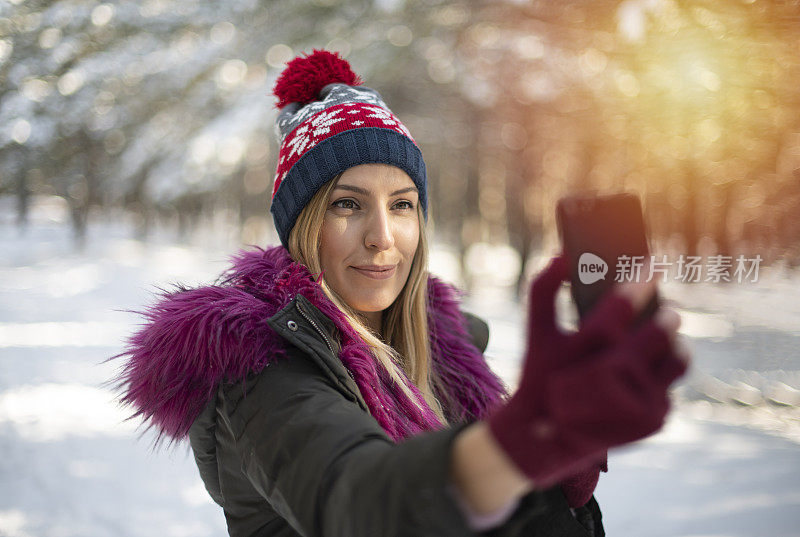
(404, 325)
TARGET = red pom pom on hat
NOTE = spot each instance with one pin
(304, 77)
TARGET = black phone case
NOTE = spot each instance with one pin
(606, 227)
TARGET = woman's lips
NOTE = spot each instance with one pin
(376, 272)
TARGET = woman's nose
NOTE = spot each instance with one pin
(379, 233)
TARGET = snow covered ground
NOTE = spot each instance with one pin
(71, 466)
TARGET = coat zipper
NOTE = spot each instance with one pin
(317, 328)
(320, 332)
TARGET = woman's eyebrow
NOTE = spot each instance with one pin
(366, 192)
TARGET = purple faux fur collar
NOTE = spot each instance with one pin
(195, 338)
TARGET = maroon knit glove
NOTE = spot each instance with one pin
(581, 393)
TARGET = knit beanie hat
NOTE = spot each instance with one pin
(328, 123)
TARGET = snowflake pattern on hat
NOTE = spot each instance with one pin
(330, 122)
(336, 94)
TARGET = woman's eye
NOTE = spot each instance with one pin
(405, 204)
(345, 204)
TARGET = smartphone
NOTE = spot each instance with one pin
(604, 239)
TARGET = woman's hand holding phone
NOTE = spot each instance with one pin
(581, 393)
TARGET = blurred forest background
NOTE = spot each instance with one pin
(160, 111)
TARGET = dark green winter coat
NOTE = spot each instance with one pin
(280, 427)
(299, 435)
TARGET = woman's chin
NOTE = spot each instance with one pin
(370, 303)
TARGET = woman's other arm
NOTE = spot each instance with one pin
(484, 474)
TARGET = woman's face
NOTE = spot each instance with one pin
(369, 237)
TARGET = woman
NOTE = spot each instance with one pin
(331, 387)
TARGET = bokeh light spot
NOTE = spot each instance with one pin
(278, 55)
(70, 82)
(102, 14)
(222, 33)
(400, 35)
(49, 37)
(21, 131)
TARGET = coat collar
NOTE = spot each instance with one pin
(303, 326)
(193, 339)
